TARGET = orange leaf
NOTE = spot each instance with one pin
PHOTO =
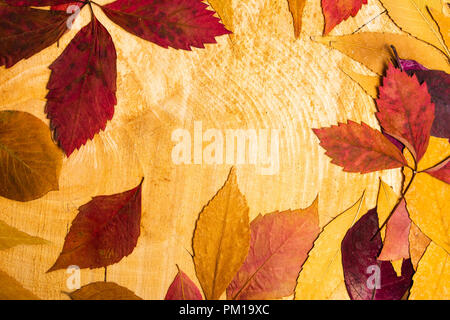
(296, 8)
(336, 11)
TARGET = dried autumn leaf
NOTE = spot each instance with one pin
(396, 242)
(30, 162)
(360, 249)
(433, 275)
(359, 148)
(369, 84)
(441, 171)
(405, 110)
(64, 7)
(180, 24)
(279, 246)
(412, 17)
(336, 11)
(418, 243)
(182, 288)
(13, 290)
(322, 276)
(105, 230)
(82, 87)
(443, 23)
(221, 238)
(11, 237)
(36, 3)
(103, 291)
(386, 201)
(27, 31)
(296, 8)
(225, 11)
(374, 49)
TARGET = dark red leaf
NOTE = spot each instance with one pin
(182, 288)
(82, 87)
(441, 171)
(36, 3)
(180, 24)
(405, 110)
(336, 11)
(359, 148)
(360, 249)
(408, 65)
(63, 7)
(105, 230)
(27, 31)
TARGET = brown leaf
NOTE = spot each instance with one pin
(296, 8)
(103, 291)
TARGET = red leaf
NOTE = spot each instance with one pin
(396, 242)
(359, 148)
(441, 171)
(405, 110)
(27, 31)
(36, 3)
(180, 24)
(279, 246)
(63, 7)
(336, 11)
(360, 248)
(105, 230)
(182, 288)
(82, 87)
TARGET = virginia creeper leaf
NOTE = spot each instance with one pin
(180, 24)
(279, 246)
(396, 242)
(27, 31)
(30, 163)
(322, 276)
(296, 8)
(359, 148)
(63, 7)
(373, 49)
(105, 230)
(103, 291)
(82, 87)
(418, 243)
(441, 171)
(182, 288)
(11, 289)
(360, 248)
(221, 238)
(11, 237)
(431, 280)
(336, 11)
(37, 3)
(405, 110)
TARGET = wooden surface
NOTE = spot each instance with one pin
(260, 77)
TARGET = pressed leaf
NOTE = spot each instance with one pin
(396, 242)
(374, 49)
(105, 230)
(225, 11)
(11, 237)
(432, 278)
(279, 246)
(360, 248)
(64, 7)
(369, 84)
(412, 17)
(441, 171)
(418, 243)
(405, 110)
(182, 288)
(30, 162)
(82, 87)
(359, 148)
(27, 31)
(336, 11)
(180, 24)
(221, 238)
(13, 290)
(322, 276)
(386, 201)
(444, 24)
(296, 8)
(103, 291)
(36, 3)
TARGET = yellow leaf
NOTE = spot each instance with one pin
(103, 291)
(372, 49)
(322, 276)
(225, 11)
(386, 201)
(296, 8)
(369, 84)
(418, 243)
(11, 237)
(432, 278)
(30, 162)
(10, 289)
(444, 25)
(412, 17)
(221, 238)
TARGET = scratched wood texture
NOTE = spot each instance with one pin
(260, 77)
